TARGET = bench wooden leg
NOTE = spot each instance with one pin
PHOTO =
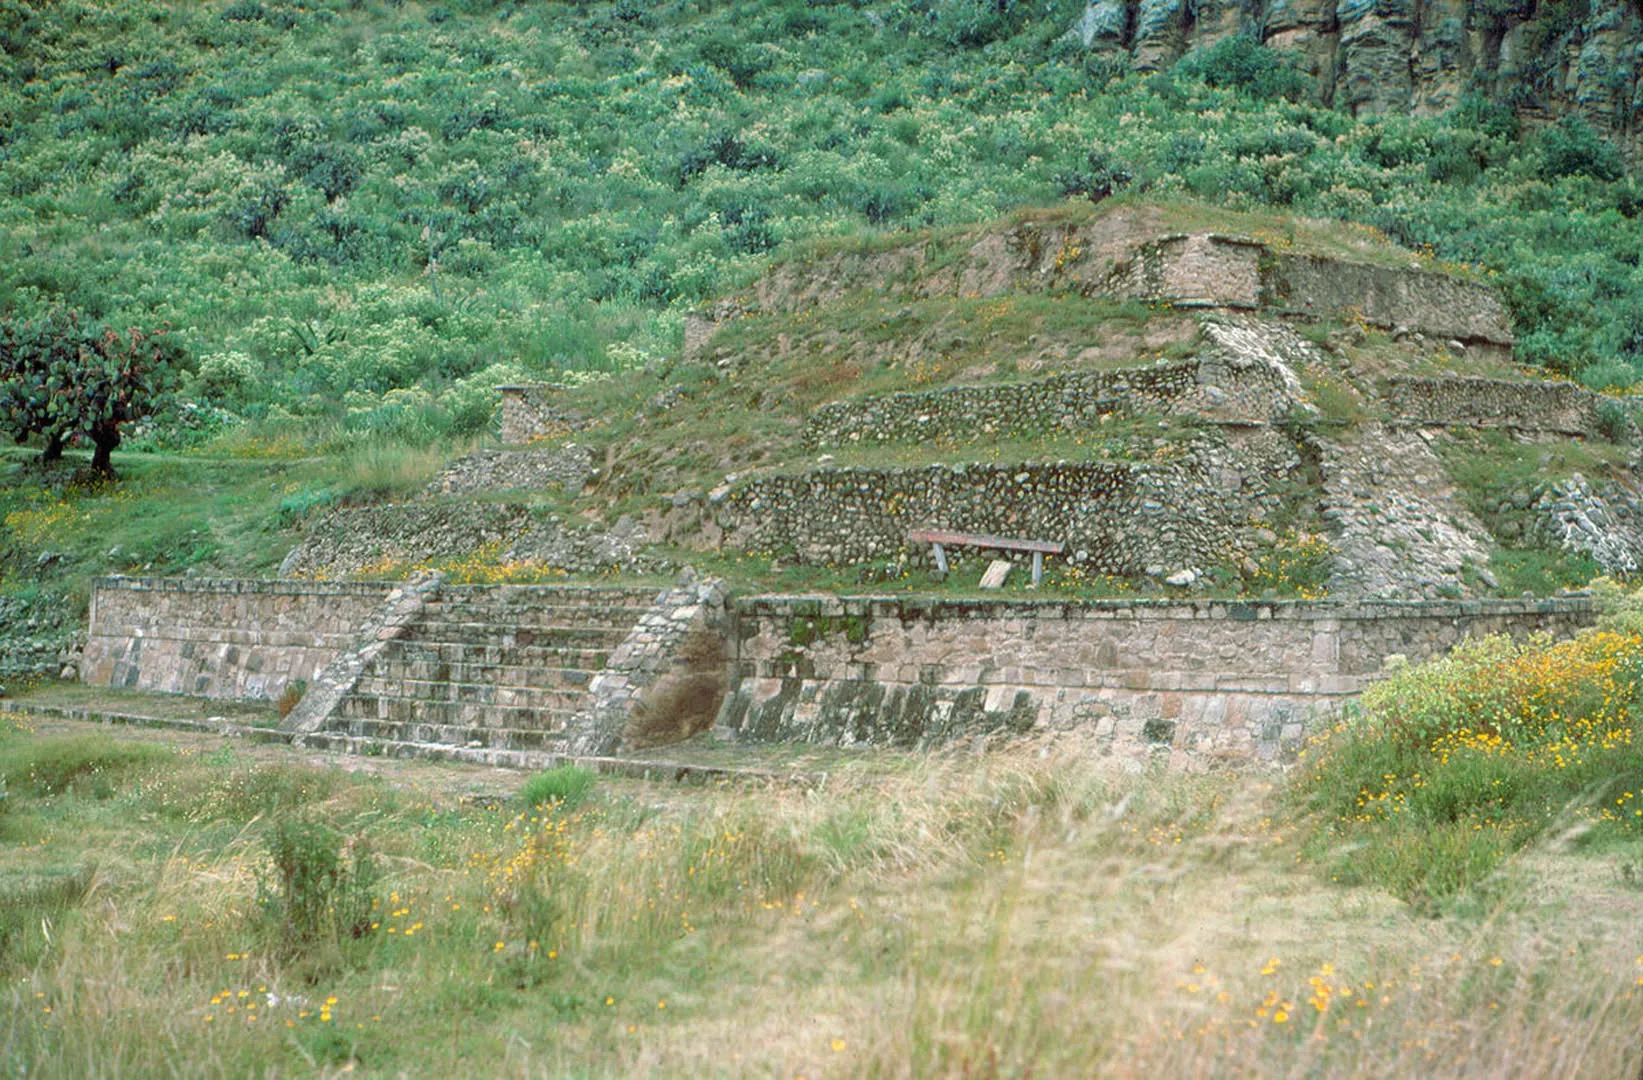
(941, 558)
(1038, 568)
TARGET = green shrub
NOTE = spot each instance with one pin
(1572, 147)
(319, 890)
(564, 786)
(1240, 63)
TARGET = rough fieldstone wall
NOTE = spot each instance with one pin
(569, 467)
(1114, 517)
(1540, 405)
(350, 539)
(1193, 682)
(1421, 300)
(855, 515)
(1071, 402)
(530, 413)
(220, 638)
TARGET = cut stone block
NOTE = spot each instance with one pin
(997, 571)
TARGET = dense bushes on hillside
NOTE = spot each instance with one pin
(345, 197)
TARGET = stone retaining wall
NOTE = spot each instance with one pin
(570, 467)
(531, 413)
(384, 540)
(1193, 682)
(220, 638)
(1188, 511)
(1423, 301)
(1538, 405)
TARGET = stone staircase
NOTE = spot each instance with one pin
(487, 669)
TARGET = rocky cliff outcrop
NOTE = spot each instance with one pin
(1545, 58)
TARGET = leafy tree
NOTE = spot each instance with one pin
(63, 376)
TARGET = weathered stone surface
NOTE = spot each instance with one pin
(1190, 511)
(569, 467)
(1197, 683)
(1399, 526)
(38, 637)
(644, 660)
(1380, 56)
(220, 638)
(1523, 404)
(534, 412)
(1244, 374)
(997, 572)
(1607, 526)
(352, 540)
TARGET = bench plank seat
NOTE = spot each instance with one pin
(936, 538)
(982, 540)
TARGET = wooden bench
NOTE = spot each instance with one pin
(937, 538)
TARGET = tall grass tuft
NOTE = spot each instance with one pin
(320, 891)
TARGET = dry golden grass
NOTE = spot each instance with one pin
(1029, 913)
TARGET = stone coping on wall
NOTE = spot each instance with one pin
(308, 587)
(944, 608)
(255, 586)
(912, 605)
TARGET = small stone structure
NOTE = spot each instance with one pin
(1193, 682)
(531, 413)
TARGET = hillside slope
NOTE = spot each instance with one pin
(366, 214)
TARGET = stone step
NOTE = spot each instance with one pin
(454, 713)
(480, 633)
(480, 609)
(449, 652)
(549, 595)
(513, 675)
(340, 743)
(447, 734)
(600, 618)
(489, 692)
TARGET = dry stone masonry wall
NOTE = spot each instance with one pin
(531, 412)
(1525, 405)
(1114, 517)
(1196, 683)
(570, 467)
(349, 540)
